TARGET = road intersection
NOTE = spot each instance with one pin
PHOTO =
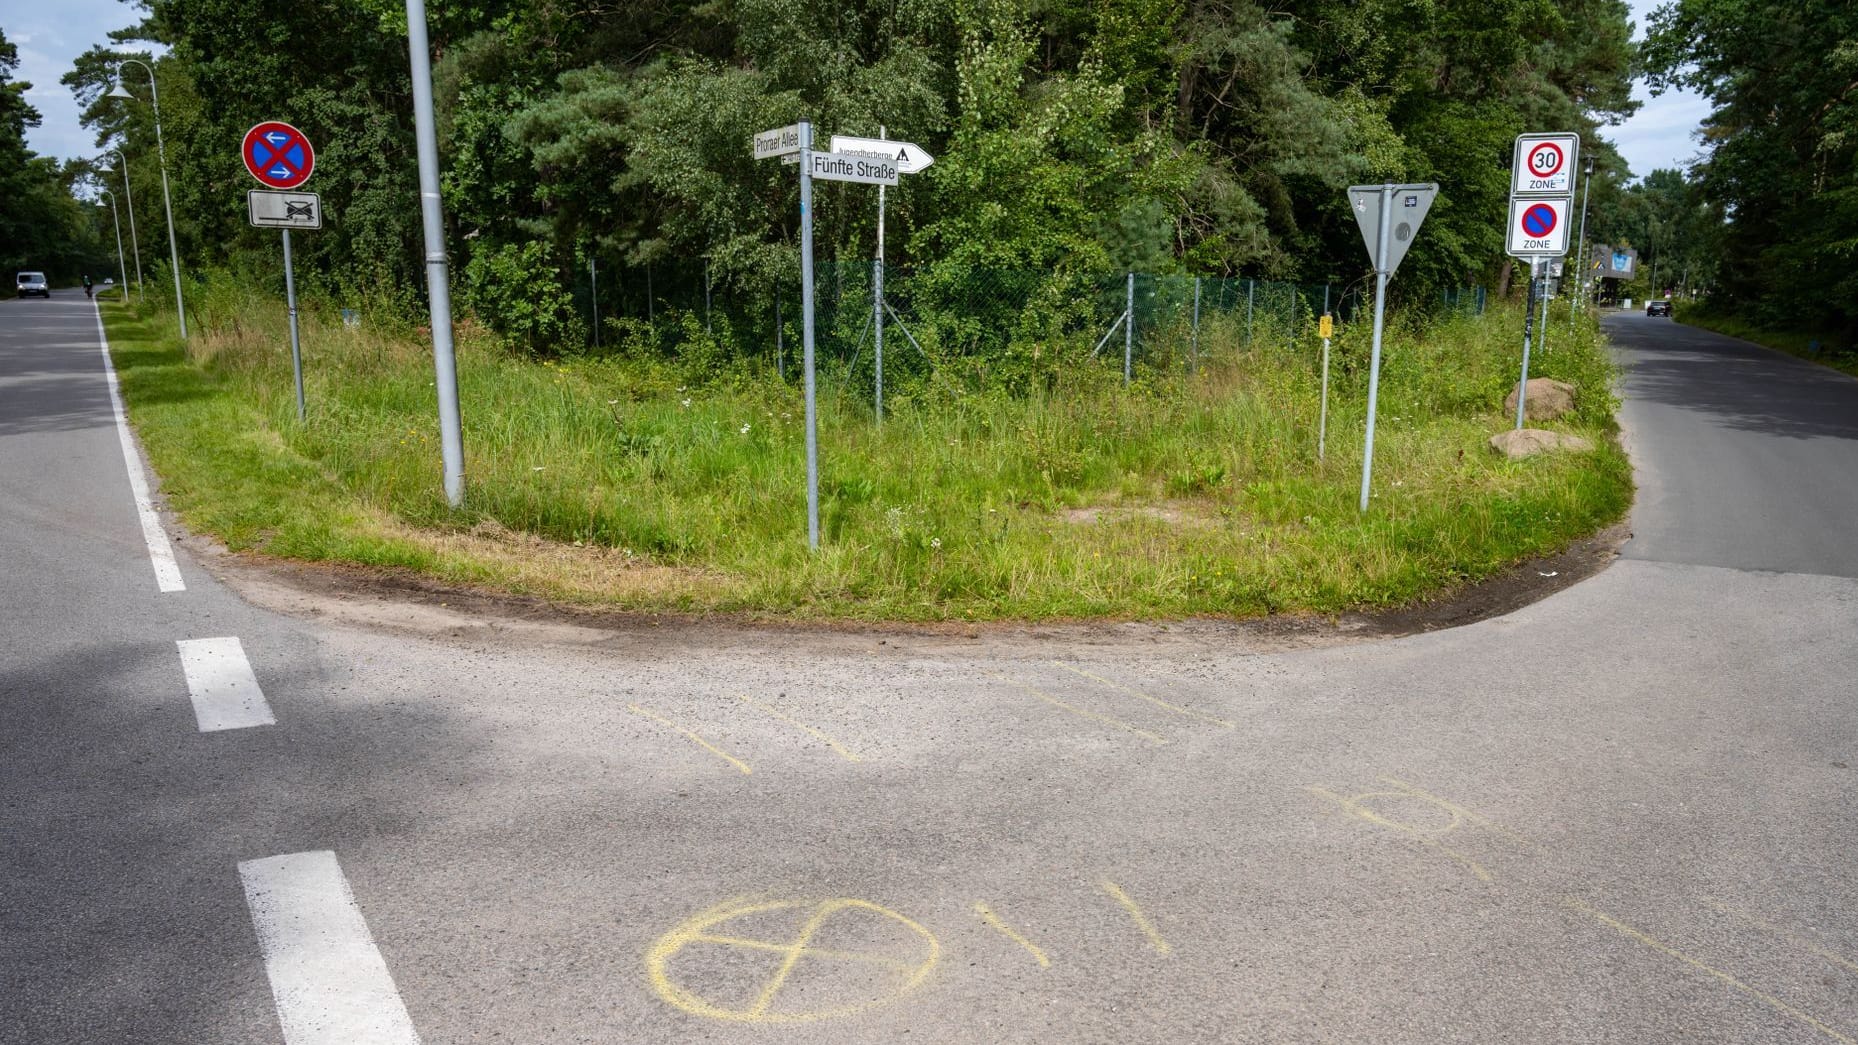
(1619, 814)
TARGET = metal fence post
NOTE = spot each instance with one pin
(1251, 293)
(1129, 332)
(1194, 359)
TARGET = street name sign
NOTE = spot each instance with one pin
(781, 141)
(1408, 209)
(1544, 164)
(284, 210)
(278, 155)
(908, 156)
(1538, 227)
(865, 168)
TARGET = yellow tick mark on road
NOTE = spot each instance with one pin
(693, 738)
(1155, 942)
(1094, 716)
(696, 967)
(1139, 695)
(1793, 938)
(1646, 939)
(817, 734)
(999, 925)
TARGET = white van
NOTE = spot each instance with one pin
(30, 283)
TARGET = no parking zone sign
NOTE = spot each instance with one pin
(1538, 227)
(278, 155)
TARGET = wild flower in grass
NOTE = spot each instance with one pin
(935, 542)
(686, 402)
(745, 429)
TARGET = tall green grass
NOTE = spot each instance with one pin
(656, 483)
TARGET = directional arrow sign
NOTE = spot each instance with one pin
(908, 156)
(1407, 210)
(868, 168)
(781, 141)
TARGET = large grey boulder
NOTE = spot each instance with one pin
(1548, 399)
(1519, 443)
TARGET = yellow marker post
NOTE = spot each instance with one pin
(1325, 327)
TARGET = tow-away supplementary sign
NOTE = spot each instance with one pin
(278, 155)
(866, 168)
(909, 156)
(284, 210)
(1545, 164)
(1538, 228)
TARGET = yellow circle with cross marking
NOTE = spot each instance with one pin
(789, 961)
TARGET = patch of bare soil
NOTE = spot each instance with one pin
(403, 602)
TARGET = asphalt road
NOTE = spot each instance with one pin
(1618, 815)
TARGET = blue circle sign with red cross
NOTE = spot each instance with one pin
(278, 155)
(1539, 220)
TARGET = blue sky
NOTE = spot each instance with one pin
(51, 35)
(1663, 133)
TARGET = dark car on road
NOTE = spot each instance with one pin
(1658, 308)
(30, 283)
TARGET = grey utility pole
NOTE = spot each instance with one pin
(120, 267)
(806, 332)
(135, 248)
(167, 202)
(1380, 313)
(438, 278)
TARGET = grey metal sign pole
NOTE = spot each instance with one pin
(806, 331)
(1522, 385)
(1380, 312)
(438, 278)
(290, 302)
(877, 300)
(1193, 361)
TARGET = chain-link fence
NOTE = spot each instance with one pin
(944, 316)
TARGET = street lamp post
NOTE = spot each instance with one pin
(1580, 252)
(135, 247)
(167, 201)
(120, 266)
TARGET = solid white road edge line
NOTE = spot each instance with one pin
(330, 983)
(167, 571)
(221, 683)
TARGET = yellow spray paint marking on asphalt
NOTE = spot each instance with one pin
(1356, 806)
(1138, 694)
(1094, 716)
(996, 923)
(1666, 949)
(1793, 938)
(1155, 942)
(866, 978)
(1474, 817)
(818, 734)
(693, 738)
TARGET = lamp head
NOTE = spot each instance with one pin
(119, 91)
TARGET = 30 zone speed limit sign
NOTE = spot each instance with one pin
(1545, 164)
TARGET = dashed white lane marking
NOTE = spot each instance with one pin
(160, 553)
(221, 683)
(330, 982)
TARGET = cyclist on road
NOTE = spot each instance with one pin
(87, 287)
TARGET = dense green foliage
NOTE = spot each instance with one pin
(42, 226)
(1773, 210)
(1205, 136)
